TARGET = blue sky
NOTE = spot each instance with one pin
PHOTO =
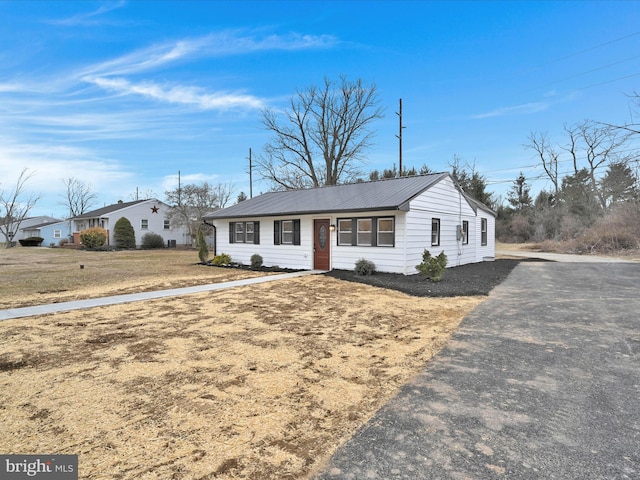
(124, 94)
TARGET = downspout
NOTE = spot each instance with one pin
(461, 229)
(215, 236)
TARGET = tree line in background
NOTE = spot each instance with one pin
(322, 138)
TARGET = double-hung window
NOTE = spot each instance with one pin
(239, 232)
(465, 232)
(435, 232)
(286, 232)
(367, 231)
(244, 232)
(364, 232)
(344, 231)
(385, 232)
(144, 224)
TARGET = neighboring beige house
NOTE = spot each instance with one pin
(389, 222)
(145, 216)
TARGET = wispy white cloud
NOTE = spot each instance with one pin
(52, 161)
(179, 94)
(113, 75)
(524, 109)
(89, 18)
(212, 45)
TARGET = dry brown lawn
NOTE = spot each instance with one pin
(256, 382)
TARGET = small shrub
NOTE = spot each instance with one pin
(93, 238)
(365, 267)
(203, 250)
(432, 267)
(31, 241)
(222, 260)
(256, 261)
(152, 240)
(123, 233)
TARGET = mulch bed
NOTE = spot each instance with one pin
(464, 280)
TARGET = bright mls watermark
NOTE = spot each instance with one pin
(46, 467)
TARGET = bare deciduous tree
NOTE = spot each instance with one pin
(598, 146)
(78, 197)
(15, 208)
(548, 156)
(192, 201)
(323, 136)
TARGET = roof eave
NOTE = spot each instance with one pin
(403, 207)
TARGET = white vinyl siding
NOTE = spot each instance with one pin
(393, 240)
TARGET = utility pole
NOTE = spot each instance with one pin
(179, 202)
(250, 175)
(399, 113)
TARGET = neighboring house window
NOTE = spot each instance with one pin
(435, 232)
(244, 232)
(483, 231)
(167, 225)
(367, 231)
(465, 232)
(144, 224)
(286, 232)
(364, 231)
(344, 231)
(57, 234)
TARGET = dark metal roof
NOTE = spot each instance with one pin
(392, 194)
(108, 209)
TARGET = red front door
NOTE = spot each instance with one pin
(321, 244)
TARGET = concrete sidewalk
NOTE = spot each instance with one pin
(541, 381)
(136, 297)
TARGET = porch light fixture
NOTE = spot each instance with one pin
(332, 228)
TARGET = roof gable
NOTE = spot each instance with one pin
(105, 211)
(390, 194)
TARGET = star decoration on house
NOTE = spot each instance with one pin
(154, 209)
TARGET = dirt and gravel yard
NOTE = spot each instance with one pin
(260, 382)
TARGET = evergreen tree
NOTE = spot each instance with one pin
(123, 233)
(618, 184)
(519, 196)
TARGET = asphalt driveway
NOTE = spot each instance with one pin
(541, 381)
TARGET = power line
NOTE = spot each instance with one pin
(590, 49)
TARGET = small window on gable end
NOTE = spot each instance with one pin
(483, 231)
(167, 225)
(57, 233)
(144, 224)
(435, 232)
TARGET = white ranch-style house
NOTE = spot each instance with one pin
(145, 216)
(389, 222)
